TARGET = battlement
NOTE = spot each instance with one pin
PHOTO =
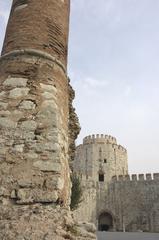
(105, 139)
(79, 147)
(136, 177)
(119, 147)
(95, 138)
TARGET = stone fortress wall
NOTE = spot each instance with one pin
(133, 201)
(130, 202)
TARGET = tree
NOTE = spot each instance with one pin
(76, 196)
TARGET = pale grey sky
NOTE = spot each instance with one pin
(113, 65)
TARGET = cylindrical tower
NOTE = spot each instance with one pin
(34, 113)
(39, 25)
(100, 158)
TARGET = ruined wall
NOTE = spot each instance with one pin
(34, 103)
(100, 154)
(74, 127)
(34, 123)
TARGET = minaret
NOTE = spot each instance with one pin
(34, 113)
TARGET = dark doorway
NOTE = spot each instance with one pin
(105, 222)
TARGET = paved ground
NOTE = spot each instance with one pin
(127, 236)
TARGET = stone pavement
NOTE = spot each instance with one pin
(127, 236)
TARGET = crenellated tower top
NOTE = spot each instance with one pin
(100, 157)
(103, 139)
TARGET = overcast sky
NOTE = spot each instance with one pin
(114, 68)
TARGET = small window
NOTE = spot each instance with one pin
(101, 177)
(105, 160)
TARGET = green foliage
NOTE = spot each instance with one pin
(73, 230)
(76, 196)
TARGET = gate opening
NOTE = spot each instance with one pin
(105, 222)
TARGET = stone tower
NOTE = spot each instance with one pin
(97, 161)
(34, 119)
(100, 158)
(112, 199)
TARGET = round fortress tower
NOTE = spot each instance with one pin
(100, 158)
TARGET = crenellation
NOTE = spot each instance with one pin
(100, 138)
(148, 176)
(156, 176)
(114, 179)
(137, 177)
(141, 177)
(121, 178)
(134, 177)
(127, 177)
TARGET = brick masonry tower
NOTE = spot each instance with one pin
(34, 120)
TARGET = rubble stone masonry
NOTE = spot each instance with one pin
(34, 123)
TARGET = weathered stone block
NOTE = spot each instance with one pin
(50, 105)
(4, 191)
(24, 196)
(2, 151)
(13, 194)
(3, 105)
(51, 146)
(48, 88)
(56, 183)
(19, 92)
(27, 105)
(31, 155)
(48, 146)
(90, 227)
(2, 95)
(29, 125)
(45, 196)
(47, 95)
(48, 166)
(4, 113)
(7, 123)
(17, 115)
(36, 195)
(24, 183)
(19, 148)
(15, 82)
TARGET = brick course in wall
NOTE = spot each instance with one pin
(41, 25)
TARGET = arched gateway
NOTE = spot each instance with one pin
(105, 222)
